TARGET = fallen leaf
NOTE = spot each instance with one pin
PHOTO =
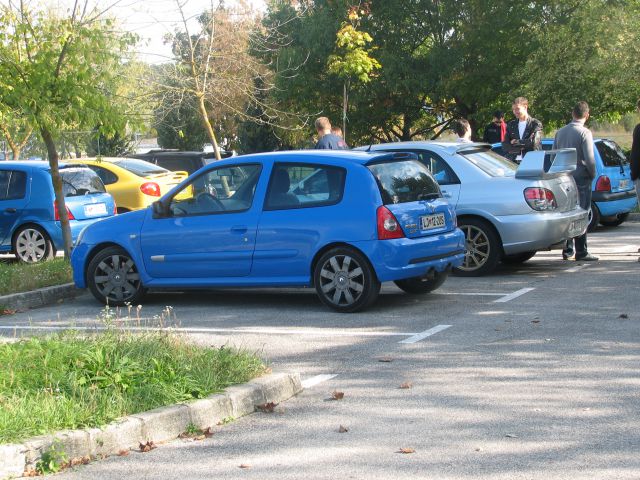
(406, 385)
(498, 329)
(200, 437)
(623, 315)
(478, 449)
(336, 395)
(123, 453)
(385, 359)
(406, 450)
(343, 429)
(207, 432)
(245, 465)
(30, 473)
(267, 407)
(535, 321)
(510, 435)
(147, 447)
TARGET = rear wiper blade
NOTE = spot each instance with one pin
(428, 196)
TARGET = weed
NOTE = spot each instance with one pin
(52, 461)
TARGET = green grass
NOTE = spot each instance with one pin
(72, 380)
(22, 277)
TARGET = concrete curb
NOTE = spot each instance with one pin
(40, 297)
(158, 425)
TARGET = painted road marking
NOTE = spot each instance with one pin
(474, 294)
(427, 333)
(313, 381)
(577, 269)
(511, 296)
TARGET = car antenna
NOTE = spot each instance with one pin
(370, 143)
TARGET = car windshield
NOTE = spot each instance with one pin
(490, 162)
(140, 167)
(406, 181)
(80, 181)
(611, 154)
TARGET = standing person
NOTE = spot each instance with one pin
(576, 135)
(337, 131)
(496, 130)
(328, 140)
(523, 132)
(462, 129)
(634, 159)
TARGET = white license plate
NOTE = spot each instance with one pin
(432, 221)
(624, 184)
(95, 209)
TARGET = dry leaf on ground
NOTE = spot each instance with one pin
(336, 395)
(406, 385)
(147, 447)
(123, 453)
(385, 359)
(267, 407)
(406, 450)
(623, 315)
(510, 435)
(343, 429)
(244, 465)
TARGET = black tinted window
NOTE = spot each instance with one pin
(105, 175)
(140, 167)
(80, 181)
(611, 154)
(402, 182)
(174, 164)
(13, 184)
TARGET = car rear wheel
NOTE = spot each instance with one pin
(345, 280)
(594, 217)
(616, 221)
(517, 258)
(420, 285)
(113, 278)
(482, 248)
(31, 244)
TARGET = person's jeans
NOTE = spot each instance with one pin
(584, 199)
(637, 182)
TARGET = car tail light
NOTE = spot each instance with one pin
(388, 226)
(150, 188)
(56, 213)
(540, 198)
(115, 208)
(603, 184)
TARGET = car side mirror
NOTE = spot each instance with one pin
(159, 210)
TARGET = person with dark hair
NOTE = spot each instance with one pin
(496, 130)
(523, 132)
(462, 129)
(327, 139)
(576, 135)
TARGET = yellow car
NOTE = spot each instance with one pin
(134, 183)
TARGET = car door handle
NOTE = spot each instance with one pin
(10, 210)
(239, 229)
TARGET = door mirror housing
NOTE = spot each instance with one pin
(159, 210)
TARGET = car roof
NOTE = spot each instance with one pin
(38, 164)
(355, 156)
(449, 147)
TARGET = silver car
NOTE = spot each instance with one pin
(506, 211)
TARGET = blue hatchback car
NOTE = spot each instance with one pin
(613, 193)
(257, 221)
(29, 220)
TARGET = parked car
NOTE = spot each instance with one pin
(134, 183)
(177, 161)
(613, 194)
(29, 218)
(506, 214)
(380, 218)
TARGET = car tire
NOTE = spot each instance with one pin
(517, 258)
(619, 220)
(482, 248)
(421, 285)
(31, 244)
(594, 218)
(345, 280)
(113, 278)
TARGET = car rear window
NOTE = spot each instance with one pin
(405, 181)
(490, 162)
(611, 154)
(80, 181)
(140, 167)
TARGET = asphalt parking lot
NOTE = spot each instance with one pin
(528, 373)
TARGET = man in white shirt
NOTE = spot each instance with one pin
(523, 132)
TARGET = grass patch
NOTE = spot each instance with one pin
(23, 277)
(74, 380)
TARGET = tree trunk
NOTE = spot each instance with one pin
(57, 188)
(212, 136)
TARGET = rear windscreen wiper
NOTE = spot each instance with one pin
(428, 196)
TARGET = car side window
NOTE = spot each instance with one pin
(438, 167)
(107, 177)
(221, 190)
(304, 185)
(13, 184)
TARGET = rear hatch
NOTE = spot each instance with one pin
(85, 195)
(412, 195)
(615, 164)
(165, 179)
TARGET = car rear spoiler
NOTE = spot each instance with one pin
(547, 164)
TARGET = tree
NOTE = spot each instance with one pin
(61, 73)
(16, 133)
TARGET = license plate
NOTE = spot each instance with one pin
(624, 184)
(428, 222)
(95, 209)
(577, 227)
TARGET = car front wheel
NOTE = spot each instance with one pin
(113, 277)
(420, 285)
(345, 281)
(482, 248)
(31, 244)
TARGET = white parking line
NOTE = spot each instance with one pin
(473, 294)
(577, 269)
(313, 381)
(427, 333)
(511, 296)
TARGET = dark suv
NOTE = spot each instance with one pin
(176, 160)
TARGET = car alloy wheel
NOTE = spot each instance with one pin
(31, 244)
(482, 250)
(345, 281)
(113, 278)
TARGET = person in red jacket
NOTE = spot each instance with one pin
(496, 130)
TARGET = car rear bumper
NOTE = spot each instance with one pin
(414, 257)
(539, 231)
(611, 204)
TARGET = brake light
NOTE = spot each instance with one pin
(388, 226)
(603, 184)
(56, 212)
(150, 188)
(540, 198)
(115, 208)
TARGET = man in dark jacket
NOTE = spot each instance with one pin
(576, 135)
(496, 130)
(634, 159)
(327, 139)
(523, 132)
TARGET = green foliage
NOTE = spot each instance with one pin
(118, 145)
(22, 277)
(52, 460)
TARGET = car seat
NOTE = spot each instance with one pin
(279, 195)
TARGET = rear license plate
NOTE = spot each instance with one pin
(624, 184)
(428, 222)
(95, 209)
(577, 227)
